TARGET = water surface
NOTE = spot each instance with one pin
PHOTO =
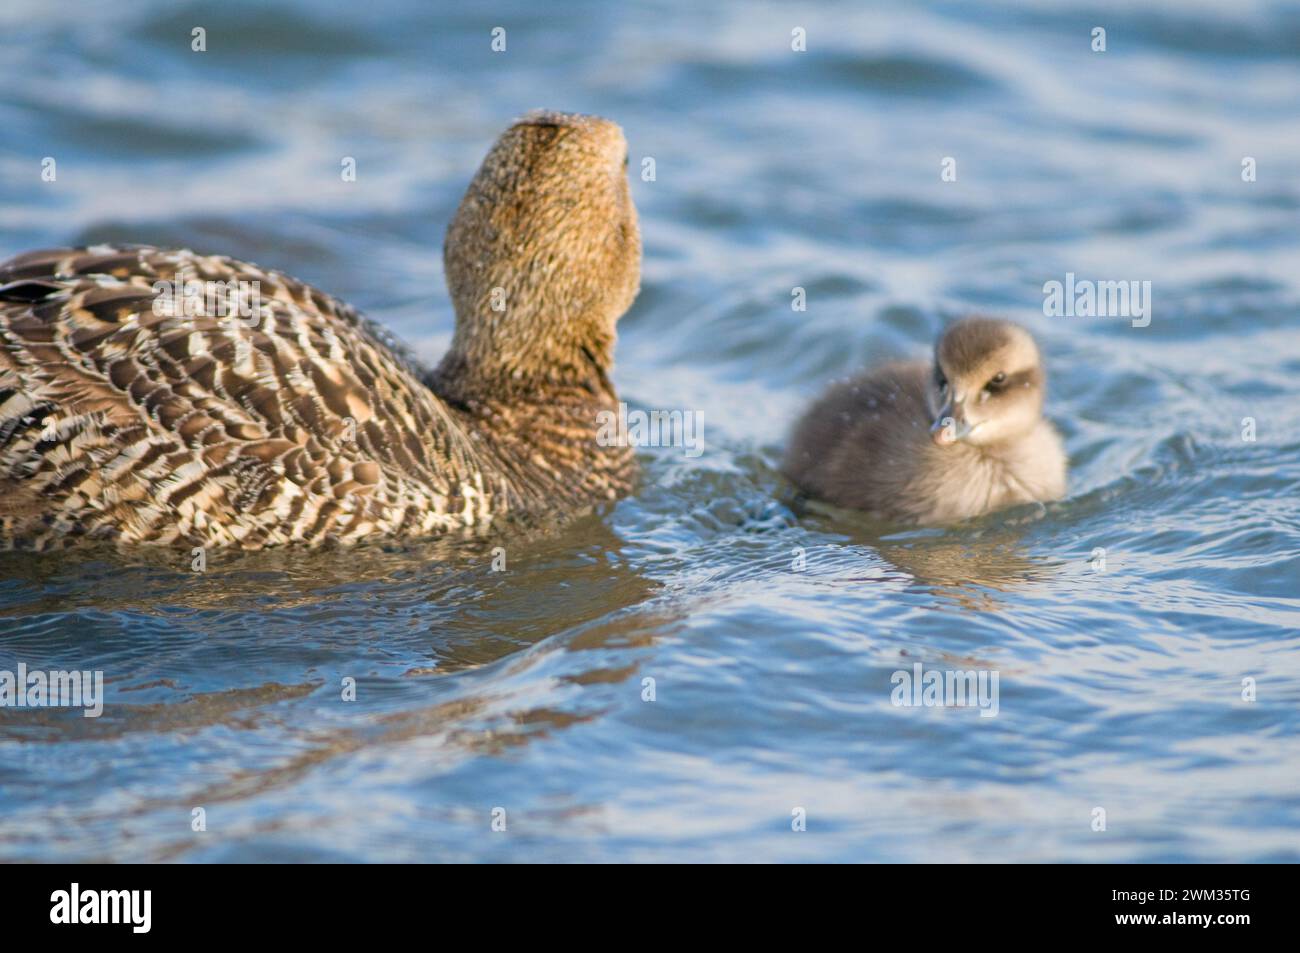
(770, 633)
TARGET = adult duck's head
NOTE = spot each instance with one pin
(542, 257)
(988, 386)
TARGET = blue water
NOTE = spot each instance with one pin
(1121, 688)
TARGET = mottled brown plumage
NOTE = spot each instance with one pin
(131, 411)
(934, 443)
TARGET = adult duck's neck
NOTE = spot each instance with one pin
(547, 438)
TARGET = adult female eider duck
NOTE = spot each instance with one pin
(936, 443)
(154, 396)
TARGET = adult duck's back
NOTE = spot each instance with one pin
(140, 398)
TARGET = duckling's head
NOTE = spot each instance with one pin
(543, 255)
(988, 385)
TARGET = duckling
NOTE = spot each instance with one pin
(260, 411)
(936, 443)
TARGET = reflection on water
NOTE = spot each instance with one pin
(667, 678)
(961, 565)
(965, 571)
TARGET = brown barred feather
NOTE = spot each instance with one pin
(129, 414)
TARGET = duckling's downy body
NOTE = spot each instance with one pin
(936, 443)
(131, 413)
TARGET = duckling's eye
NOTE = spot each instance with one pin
(625, 160)
(941, 382)
(997, 380)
